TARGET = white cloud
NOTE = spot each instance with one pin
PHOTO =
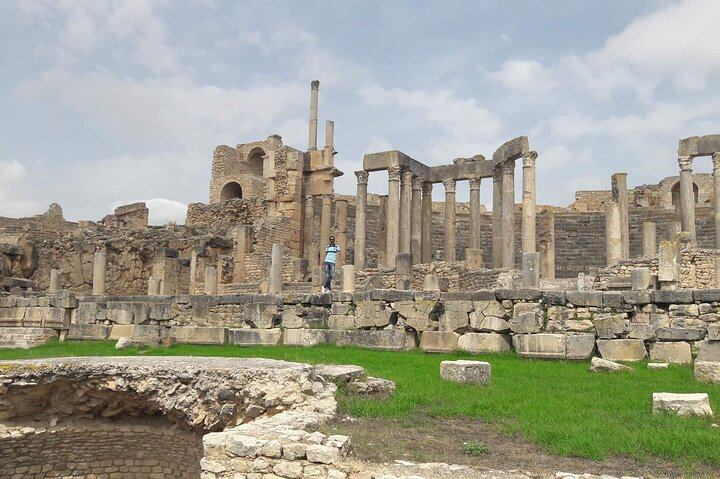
(14, 198)
(161, 210)
(528, 76)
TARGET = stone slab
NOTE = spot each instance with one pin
(696, 404)
(387, 340)
(439, 341)
(255, 337)
(88, 332)
(485, 342)
(580, 346)
(673, 297)
(622, 349)
(304, 337)
(548, 346)
(637, 297)
(670, 352)
(463, 371)
(708, 351)
(707, 371)
(680, 334)
(599, 365)
(518, 294)
(198, 335)
(706, 295)
(585, 298)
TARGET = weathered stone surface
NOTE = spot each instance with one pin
(88, 332)
(622, 349)
(193, 335)
(485, 342)
(713, 332)
(554, 298)
(585, 298)
(708, 351)
(391, 295)
(518, 294)
(680, 334)
(599, 365)
(580, 346)
(463, 371)
(612, 299)
(340, 373)
(453, 320)
(371, 387)
(527, 318)
(675, 352)
(322, 454)
(388, 339)
(707, 371)
(418, 314)
(255, 337)
(706, 295)
(439, 341)
(658, 365)
(637, 297)
(610, 326)
(673, 297)
(550, 346)
(304, 337)
(697, 404)
(641, 331)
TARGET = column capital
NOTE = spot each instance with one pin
(427, 188)
(474, 183)
(407, 175)
(326, 196)
(508, 167)
(685, 163)
(362, 177)
(417, 182)
(393, 173)
(716, 160)
(449, 186)
(529, 159)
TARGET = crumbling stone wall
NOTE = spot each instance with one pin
(232, 212)
(134, 215)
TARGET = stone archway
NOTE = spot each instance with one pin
(231, 191)
(255, 160)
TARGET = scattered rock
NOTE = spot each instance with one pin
(599, 365)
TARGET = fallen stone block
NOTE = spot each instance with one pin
(371, 387)
(658, 365)
(463, 371)
(340, 373)
(697, 404)
(485, 342)
(548, 346)
(622, 349)
(707, 371)
(675, 352)
(439, 341)
(255, 337)
(599, 365)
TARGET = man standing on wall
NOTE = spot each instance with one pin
(331, 253)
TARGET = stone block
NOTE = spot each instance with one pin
(599, 365)
(640, 278)
(485, 342)
(391, 295)
(518, 294)
(420, 315)
(463, 371)
(557, 298)
(197, 335)
(697, 404)
(255, 337)
(488, 324)
(161, 312)
(454, 321)
(337, 321)
(427, 295)
(707, 371)
(610, 326)
(585, 298)
(673, 297)
(85, 313)
(122, 331)
(388, 339)
(88, 332)
(455, 296)
(549, 346)
(680, 334)
(641, 331)
(658, 365)
(706, 295)
(340, 373)
(579, 346)
(637, 297)
(708, 351)
(527, 318)
(482, 295)
(304, 337)
(675, 352)
(713, 332)
(613, 299)
(622, 349)
(262, 316)
(439, 341)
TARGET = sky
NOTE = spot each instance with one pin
(107, 102)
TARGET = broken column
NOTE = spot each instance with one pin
(405, 200)
(329, 149)
(668, 265)
(508, 214)
(546, 243)
(55, 280)
(243, 241)
(674, 229)
(211, 280)
(382, 233)
(531, 270)
(348, 272)
(341, 225)
(619, 197)
(426, 238)
(613, 235)
(474, 184)
(687, 196)
(312, 131)
(99, 266)
(416, 220)
(497, 218)
(716, 196)
(393, 215)
(325, 221)
(649, 238)
(276, 269)
(360, 218)
(403, 271)
(528, 203)
(449, 219)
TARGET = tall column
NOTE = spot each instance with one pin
(329, 149)
(416, 220)
(619, 196)
(405, 213)
(649, 238)
(474, 213)
(449, 219)
(393, 215)
(309, 232)
(99, 266)
(546, 244)
(276, 269)
(529, 203)
(426, 239)
(687, 196)
(312, 132)
(497, 218)
(382, 233)
(326, 215)
(613, 236)
(341, 228)
(360, 218)
(716, 197)
(508, 214)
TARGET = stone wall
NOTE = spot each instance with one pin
(232, 212)
(134, 216)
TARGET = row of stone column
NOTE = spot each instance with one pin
(687, 196)
(313, 250)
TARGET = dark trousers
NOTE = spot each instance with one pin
(329, 271)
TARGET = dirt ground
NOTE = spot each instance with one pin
(442, 440)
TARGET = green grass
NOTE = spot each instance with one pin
(558, 404)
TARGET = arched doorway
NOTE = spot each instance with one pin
(230, 191)
(675, 192)
(255, 161)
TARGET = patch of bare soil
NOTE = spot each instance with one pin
(443, 440)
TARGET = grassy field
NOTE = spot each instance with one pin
(560, 405)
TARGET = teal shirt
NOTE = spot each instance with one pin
(332, 250)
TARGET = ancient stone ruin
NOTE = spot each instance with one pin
(622, 274)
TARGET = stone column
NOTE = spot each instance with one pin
(360, 218)
(242, 243)
(416, 220)
(546, 244)
(474, 213)
(508, 214)
(329, 149)
(393, 215)
(405, 212)
(312, 131)
(55, 280)
(674, 229)
(687, 196)
(276, 269)
(531, 270)
(311, 253)
(426, 239)
(716, 196)
(341, 228)
(382, 233)
(497, 218)
(153, 286)
(449, 219)
(528, 203)
(619, 196)
(348, 275)
(649, 238)
(325, 222)
(211, 280)
(612, 233)
(99, 266)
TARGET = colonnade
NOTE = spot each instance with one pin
(687, 196)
